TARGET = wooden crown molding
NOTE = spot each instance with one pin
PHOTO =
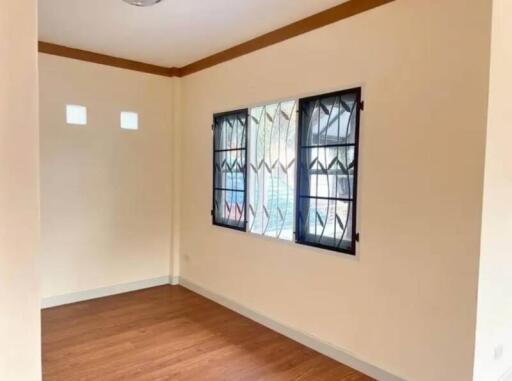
(329, 16)
(84, 55)
(318, 20)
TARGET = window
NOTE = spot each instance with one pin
(271, 171)
(129, 120)
(327, 171)
(288, 170)
(76, 115)
(229, 169)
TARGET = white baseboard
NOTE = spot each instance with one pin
(175, 280)
(59, 300)
(318, 345)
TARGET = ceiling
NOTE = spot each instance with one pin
(171, 33)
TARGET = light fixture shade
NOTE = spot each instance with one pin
(142, 3)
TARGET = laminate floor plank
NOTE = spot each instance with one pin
(170, 333)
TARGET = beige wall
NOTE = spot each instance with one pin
(20, 355)
(119, 206)
(105, 192)
(407, 303)
(495, 288)
(176, 180)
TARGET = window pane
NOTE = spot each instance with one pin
(328, 170)
(76, 115)
(230, 131)
(229, 208)
(272, 152)
(129, 120)
(329, 120)
(326, 223)
(229, 169)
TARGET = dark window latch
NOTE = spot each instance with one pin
(361, 105)
(357, 237)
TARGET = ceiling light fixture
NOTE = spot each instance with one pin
(142, 3)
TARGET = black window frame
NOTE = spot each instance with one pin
(299, 238)
(222, 222)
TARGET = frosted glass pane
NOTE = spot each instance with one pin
(272, 148)
(129, 120)
(76, 115)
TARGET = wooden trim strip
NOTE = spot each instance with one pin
(84, 55)
(329, 16)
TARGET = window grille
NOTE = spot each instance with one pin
(327, 170)
(229, 169)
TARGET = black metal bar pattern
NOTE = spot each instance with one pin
(327, 198)
(230, 150)
(330, 145)
(272, 150)
(327, 170)
(230, 169)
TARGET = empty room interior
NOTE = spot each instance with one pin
(249, 190)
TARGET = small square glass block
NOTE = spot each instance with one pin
(76, 115)
(129, 120)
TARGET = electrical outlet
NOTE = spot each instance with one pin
(498, 352)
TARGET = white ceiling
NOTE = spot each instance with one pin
(172, 33)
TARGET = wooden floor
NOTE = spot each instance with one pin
(170, 333)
